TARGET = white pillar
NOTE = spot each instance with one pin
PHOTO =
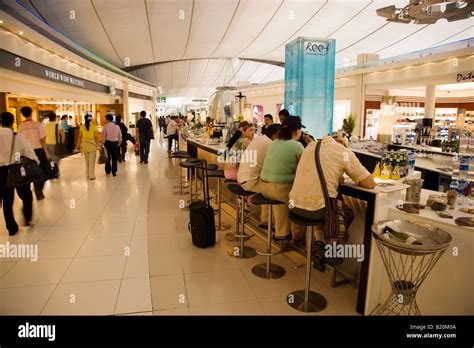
(430, 101)
(126, 116)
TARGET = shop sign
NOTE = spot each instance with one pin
(28, 67)
(316, 48)
(465, 77)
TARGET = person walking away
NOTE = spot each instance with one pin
(88, 142)
(65, 128)
(172, 132)
(10, 146)
(34, 133)
(144, 134)
(123, 146)
(111, 139)
(52, 129)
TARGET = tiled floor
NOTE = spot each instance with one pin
(121, 246)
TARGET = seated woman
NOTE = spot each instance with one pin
(278, 173)
(306, 196)
(236, 147)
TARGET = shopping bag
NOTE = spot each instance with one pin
(102, 156)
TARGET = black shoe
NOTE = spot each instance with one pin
(114, 174)
(263, 226)
(141, 161)
(39, 196)
(10, 233)
(281, 239)
(146, 162)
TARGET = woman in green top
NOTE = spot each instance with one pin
(88, 142)
(278, 173)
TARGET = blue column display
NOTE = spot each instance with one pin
(309, 83)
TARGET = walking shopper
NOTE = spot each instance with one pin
(65, 127)
(111, 138)
(172, 132)
(123, 146)
(53, 134)
(144, 134)
(34, 132)
(88, 142)
(10, 145)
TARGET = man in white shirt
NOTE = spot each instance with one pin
(172, 132)
(249, 170)
(11, 147)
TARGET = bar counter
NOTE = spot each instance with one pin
(448, 288)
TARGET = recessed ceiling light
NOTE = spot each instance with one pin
(21, 33)
(1, 21)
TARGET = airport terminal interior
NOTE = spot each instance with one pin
(236, 157)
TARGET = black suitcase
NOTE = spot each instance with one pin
(201, 217)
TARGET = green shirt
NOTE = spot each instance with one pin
(281, 161)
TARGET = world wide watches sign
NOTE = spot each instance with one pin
(309, 82)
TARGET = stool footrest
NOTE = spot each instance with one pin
(243, 235)
(268, 254)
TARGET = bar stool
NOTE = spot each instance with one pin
(190, 164)
(181, 155)
(267, 270)
(219, 174)
(230, 236)
(244, 251)
(306, 300)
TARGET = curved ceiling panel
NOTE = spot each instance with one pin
(209, 24)
(291, 16)
(113, 14)
(78, 20)
(249, 20)
(169, 24)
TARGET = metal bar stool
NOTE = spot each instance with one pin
(190, 164)
(243, 251)
(407, 265)
(219, 174)
(307, 300)
(268, 270)
(181, 155)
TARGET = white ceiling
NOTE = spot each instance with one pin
(193, 44)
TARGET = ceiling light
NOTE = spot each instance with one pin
(20, 32)
(1, 21)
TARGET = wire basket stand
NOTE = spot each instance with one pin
(408, 265)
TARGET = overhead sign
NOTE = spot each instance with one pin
(468, 77)
(23, 65)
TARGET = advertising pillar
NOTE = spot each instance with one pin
(309, 82)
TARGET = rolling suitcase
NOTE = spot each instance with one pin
(201, 217)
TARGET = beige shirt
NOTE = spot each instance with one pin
(21, 147)
(335, 161)
(252, 159)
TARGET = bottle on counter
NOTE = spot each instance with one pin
(411, 163)
(385, 174)
(464, 167)
(455, 167)
(395, 175)
(461, 199)
(376, 172)
(452, 193)
(405, 238)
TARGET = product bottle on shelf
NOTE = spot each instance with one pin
(464, 167)
(411, 163)
(455, 167)
(452, 193)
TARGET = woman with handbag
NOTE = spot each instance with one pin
(88, 142)
(11, 148)
(55, 139)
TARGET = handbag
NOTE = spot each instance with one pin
(137, 149)
(102, 156)
(338, 215)
(60, 148)
(24, 171)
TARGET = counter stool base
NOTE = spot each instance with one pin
(230, 236)
(179, 193)
(276, 271)
(316, 302)
(224, 227)
(248, 253)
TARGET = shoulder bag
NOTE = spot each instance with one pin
(151, 133)
(338, 216)
(24, 171)
(60, 148)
